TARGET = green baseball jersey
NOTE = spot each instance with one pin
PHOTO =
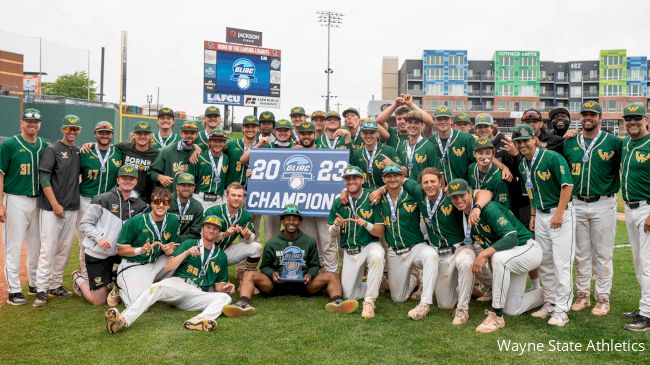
(394, 138)
(445, 225)
(423, 156)
(361, 158)
(137, 230)
(324, 143)
(357, 141)
(202, 140)
(635, 169)
(272, 254)
(205, 270)
(549, 173)
(143, 160)
(600, 174)
(19, 165)
(161, 143)
(458, 156)
(171, 162)
(496, 223)
(236, 170)
(492, 181)
(352, 234)
(190, 219)
(211, 179)
(241, 218)
(276, 144)
(94, 179)
(402, 228)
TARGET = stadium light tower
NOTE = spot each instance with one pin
(329, 19)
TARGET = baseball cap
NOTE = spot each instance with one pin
(31, 114)
(484, 119)
(413, 115)
(306, 127)
(391, 168)
(369, 126)
(458, 187)
(532, 115)
(333, 114)
(634, 109)
(318, 114)
(142, 127)
(267, 117)
(212, 110)
(523, 132)
(282, 124)
(218, 134)
(214, 220)
(71, 121)
(291, 209)
(462, 117)
(189, 125)
(442, 111)
(351, 110)
(482, 143)
(185, 178)
(591, 106)
(558, 110)
(352, 170)
(297, 110)
(128, 170)
(103, 126)
(165, 111)
(250, 119)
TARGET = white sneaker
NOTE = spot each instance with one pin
(544, 311)
(581, 302)
(491, 323)
(368, 310)
(420, 311)
(461, 316)
(558, 319)
(602, 307)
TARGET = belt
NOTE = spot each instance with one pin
(208, 197)
(402, 251)
(634, 205)
(353, 250)
(551, 210)
(592, 199)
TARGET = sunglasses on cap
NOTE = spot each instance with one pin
(531, 115)
(630, 118)
(164, 202)
(30, 115)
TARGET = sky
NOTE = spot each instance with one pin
(165, 40)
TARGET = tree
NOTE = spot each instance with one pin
(72, 86)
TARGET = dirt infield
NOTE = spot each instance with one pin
(23, 273)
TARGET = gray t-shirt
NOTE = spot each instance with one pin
(62, 162)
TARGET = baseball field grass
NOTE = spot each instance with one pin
(298, 330)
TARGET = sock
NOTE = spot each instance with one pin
(498, 311)
(336, 297)
(245, 299)
(536, 284)
(79, 280)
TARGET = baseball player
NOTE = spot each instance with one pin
(298, 117)
(402, 105)
(268, 279)
(101, 227)
(417, 152)
(548, 182)
(484, 175)
(372, 156)
(140, 152)
(200, 283)
(318, 119)
(236, 148)
(358, 225)
(352, 121)
(453, 147)
(175, 158)
(510, 247)
(484, 126)
(267, 122)
(145, 242)
(212, 170)
(594, 157)
(19, 191)
(165, 135)
(635, 175)
(211, 122)
(188, 210)
(59, 202)
(334, 137)
(550, 141)
(463, 122)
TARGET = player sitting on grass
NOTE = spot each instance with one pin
(269, 281)
(199, 266)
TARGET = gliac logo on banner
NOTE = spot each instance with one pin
(243, 71)
(297, 169)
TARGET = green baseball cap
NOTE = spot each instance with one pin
(352, 170)
(71, 121)
(306, 127)
(189, 125)
(212, 110)
(369, 126)
(591, 106)
(442, 111)
(103, 126)
(351, 110)
(414, 115)
(31, 114)
(250, 120)
(267, 117)
(128, 170)
(165, 111)
(458, 187)
(523, 132)
(214, 220)
(282, 124)
(142, 126)
(462, 117)
(298, 110)
(318, 114)
(333, 114)
(483, 119)
(391, 168)
(482, 143)
(219, 134)
(634, 109)
(291, 209)
(185, 178)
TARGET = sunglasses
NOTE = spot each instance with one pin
(629, 118)
(532, 115)
(70, 129)
(32, 115)
(164, 202)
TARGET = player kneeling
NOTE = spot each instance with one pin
(199, 265)
(269, 281)
(513, 253)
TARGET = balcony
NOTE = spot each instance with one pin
(481, 77)
(564, 80)
(412, 76)
(546, 79)
(414, 92)
(562, 95)
(590, 94)
(590, 79)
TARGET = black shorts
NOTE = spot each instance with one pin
(289, 288)
(100, 271)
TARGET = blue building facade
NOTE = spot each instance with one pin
(445, 72)
(637, 76)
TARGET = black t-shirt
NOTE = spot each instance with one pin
(143, 161)
(62, 162)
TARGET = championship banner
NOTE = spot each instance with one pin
(309, 178)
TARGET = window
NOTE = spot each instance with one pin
(488, 105)
(489, 75)
(612, 90)
(488, 89)
(456, 74)
(575, 106)
(506, 61)
(435, 89)
(502, 106)
(470, 73)
(560, 91)
(435, 73)
(613, 60)
(527, 75)
(456, 89)
(576, 91)
(459, 105)
(593, 90)
(542, 105)
(456, 60)
(542, 74)
(575, 76)
(527, 90)
(415, 87)
(527, 61)
(560, 76)
(507, 75)
(611, 106)
(613, 74)
(593, 74)
(435, 60)
(634, 90)
(506, 90)
(526, 105)
(635, 74)
(417, 72)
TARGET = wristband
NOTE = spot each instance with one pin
(476, 205)
(369, 227)
(138, 251)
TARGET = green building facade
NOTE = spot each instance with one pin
(613, 72)
(516, 73)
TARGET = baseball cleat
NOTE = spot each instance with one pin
(75, 288)
(581, 302)
(342, 306)
(113, 298)
(485, 297)
(41, 299)
(60, 292)
(544, 311)
(200, 324)
(461, 316)
(419, 312)
(16, 299)
(491, 323)
(558, 319)
(368, 310)
(114, 320)
(239, 309)
(632, 314)
(640, 324)
(31, 290)
(602, 307)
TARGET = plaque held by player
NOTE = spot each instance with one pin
(292, 262)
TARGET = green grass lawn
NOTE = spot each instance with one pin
(298, 330)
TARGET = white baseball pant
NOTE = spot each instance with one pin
(84, 204)
(206, 205)
(56, 242)
(558, 247)
(640, 244)
(317, 228)
(178, 293)
(455, 278)
(400, 280)
(134, 278)
(595, 232)
(240, 251)
(372, 256)
(510, 271)
(21, 224)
